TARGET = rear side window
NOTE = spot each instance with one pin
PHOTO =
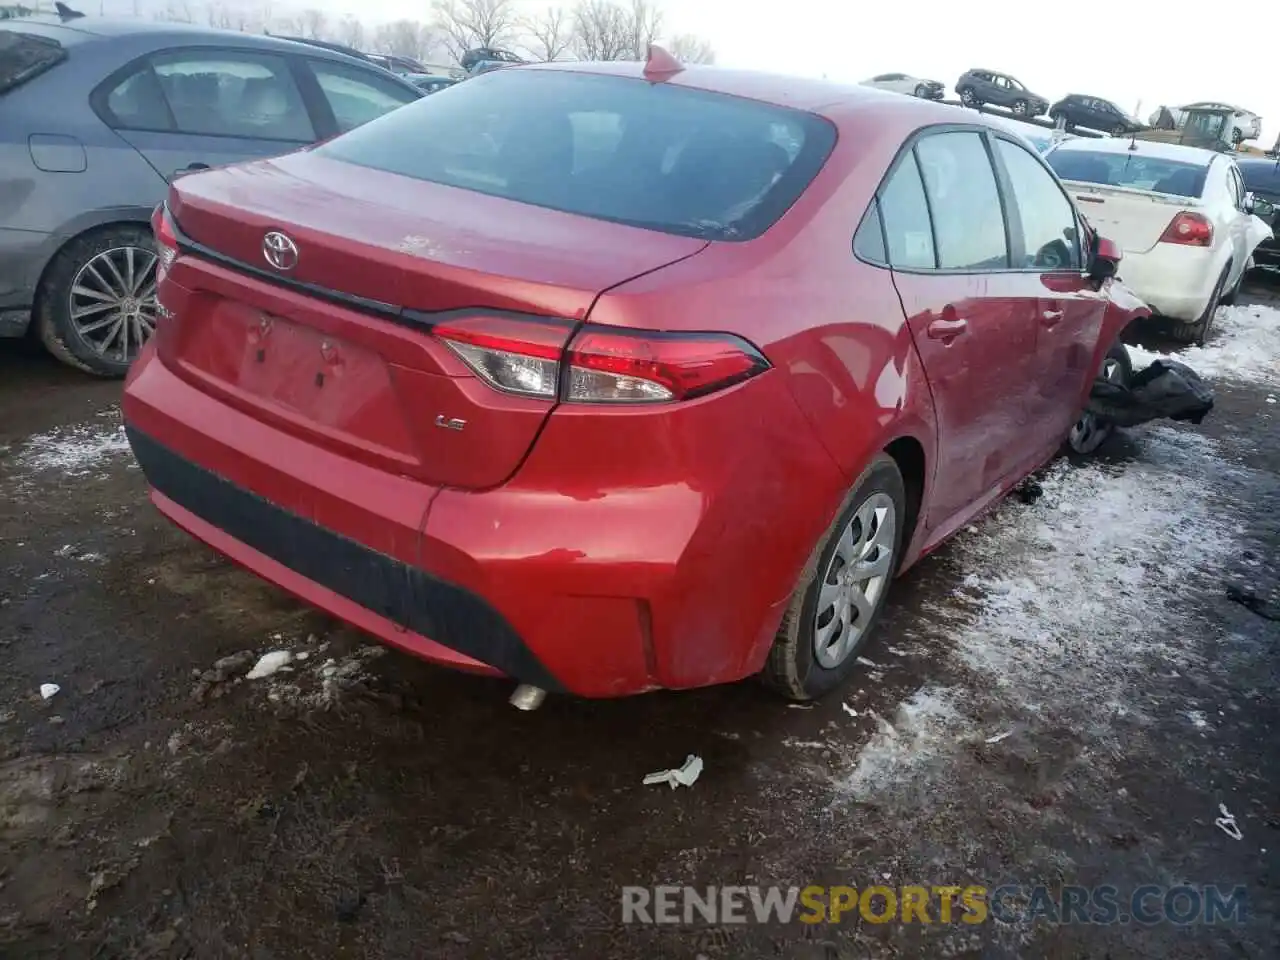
(968, 219)
(1262, 178)
(907, 230)
(662, 157)
(24, 56)
(210, 93)
(357, 96)
(1129, 170)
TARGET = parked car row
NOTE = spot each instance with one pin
(979, 88)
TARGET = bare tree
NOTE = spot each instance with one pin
(350, 31)
(643, 20)
(405, 38)
(467, 24)
(178, 11)
(550, 35)
(221, 17)
(690, 48)
(313, 24)
(601, 30)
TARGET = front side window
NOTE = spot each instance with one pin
(657, 156)
(357, 96)
(907, 231)
(1048, 220)
(968, 219)
(231, 94)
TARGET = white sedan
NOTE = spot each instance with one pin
(1180, 215)
(905, 83)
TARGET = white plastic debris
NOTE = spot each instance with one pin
(47, 690)
(1271, 399)
(1227, 823)
(867, 663)
(269, 663)
(1000, 736)
(849, 710)
(684, 776)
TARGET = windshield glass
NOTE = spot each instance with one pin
(1129, 170)
(658, 156)
(23, 56)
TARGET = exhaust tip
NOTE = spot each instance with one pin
(527, 697)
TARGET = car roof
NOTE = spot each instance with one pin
(801, 93)
(1145, 148)
(84, 30)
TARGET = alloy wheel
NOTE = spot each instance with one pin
(112, 304)
(1089, 432)
(856, 577)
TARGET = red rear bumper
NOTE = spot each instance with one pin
(632, 551)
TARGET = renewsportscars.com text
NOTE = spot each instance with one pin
(1010, 903)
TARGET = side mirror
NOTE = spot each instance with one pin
(1249, 203)
(1105, 260)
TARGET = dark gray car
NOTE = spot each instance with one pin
(97, 115)
(979, 87)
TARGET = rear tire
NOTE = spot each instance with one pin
(1197, 331)
(100, 282)
(835, 607)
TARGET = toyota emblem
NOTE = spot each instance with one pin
(280, 251)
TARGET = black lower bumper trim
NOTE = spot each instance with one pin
(403, 594)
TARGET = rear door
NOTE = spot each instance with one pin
(200, 107)
(1069, 311)
(974, 333)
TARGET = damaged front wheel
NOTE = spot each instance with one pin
(1091, 431)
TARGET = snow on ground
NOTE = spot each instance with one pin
(1243, 344)
(1064, 608)
(75, 451)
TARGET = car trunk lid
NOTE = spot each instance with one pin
(1133, 219)
(334, 340)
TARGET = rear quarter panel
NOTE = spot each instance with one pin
(831, 325)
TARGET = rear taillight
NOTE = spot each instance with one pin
(601, 364)
(515, 356)
(1190, 229)
(166, 240)
(636, 366)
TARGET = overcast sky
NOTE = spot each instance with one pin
(1125, 50)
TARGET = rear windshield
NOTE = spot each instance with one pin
(23, 56)
(1130, 170)
(657, 156)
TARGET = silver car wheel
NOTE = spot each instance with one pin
(112, 304)
(1089, 432)
(856, 577)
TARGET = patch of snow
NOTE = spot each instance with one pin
(921, 728)
(1243, 344)
(74, 451)
(269, 663)
(1197, 719)
(1066, 605)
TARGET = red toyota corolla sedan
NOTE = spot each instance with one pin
(609, 382)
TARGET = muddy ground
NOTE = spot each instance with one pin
(1064, 695)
